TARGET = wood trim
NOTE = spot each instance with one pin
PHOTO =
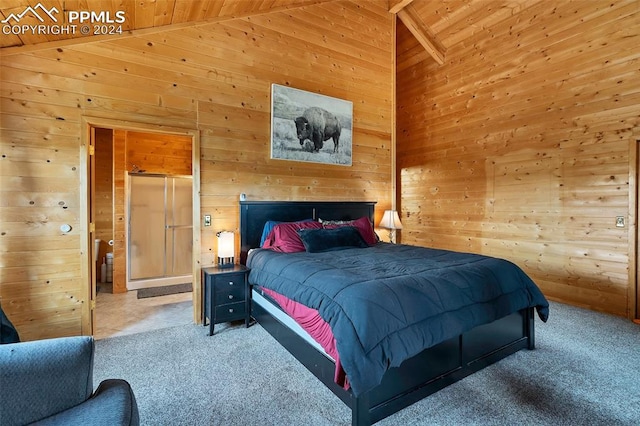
(89, 122)
(86, 252)
(394, 180)
(197, 247)
(633, 302)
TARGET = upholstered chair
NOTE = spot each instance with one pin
(50, 382)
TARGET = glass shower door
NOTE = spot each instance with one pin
(179, 227)
(160, 227)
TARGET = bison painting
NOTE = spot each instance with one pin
(302, 121)
(318, 125)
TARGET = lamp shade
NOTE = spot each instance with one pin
(390, 220)
(226, 244)
(226, 248)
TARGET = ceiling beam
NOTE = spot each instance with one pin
(421, 32)
(396, 6)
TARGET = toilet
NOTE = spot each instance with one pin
(96, 249)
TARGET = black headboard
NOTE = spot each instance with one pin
(254, 214)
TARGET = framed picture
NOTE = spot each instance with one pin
(310, 127)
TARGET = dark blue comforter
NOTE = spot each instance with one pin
(389, 302)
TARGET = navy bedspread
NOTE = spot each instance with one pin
(389, 302)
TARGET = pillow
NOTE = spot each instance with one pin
(284, 237)
(333, 222)
(363, 225)
(269, 225)
(321, 240)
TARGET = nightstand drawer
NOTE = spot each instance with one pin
(229, 281)
(231, 311)
(229, 296)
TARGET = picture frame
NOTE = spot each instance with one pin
(310, 127)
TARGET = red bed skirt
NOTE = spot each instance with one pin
(311, 321)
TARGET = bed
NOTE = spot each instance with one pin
(444, 357)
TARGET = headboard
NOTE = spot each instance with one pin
(254, 214)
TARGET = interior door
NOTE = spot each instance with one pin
(92, 229)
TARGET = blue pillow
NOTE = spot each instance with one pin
(268, 227)
(321, 240)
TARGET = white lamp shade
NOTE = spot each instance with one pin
(390, 220)
(226, 244)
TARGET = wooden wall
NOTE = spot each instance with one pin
(518, 146)
(215, 78)
(158, 153)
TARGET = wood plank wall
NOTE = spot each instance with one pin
(158, 153)
(215, 78)
(518, 146)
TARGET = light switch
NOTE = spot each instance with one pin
(207, 220)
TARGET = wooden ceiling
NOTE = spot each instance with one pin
(139, 14)
(435, 25)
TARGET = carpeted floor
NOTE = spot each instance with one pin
(585, 371)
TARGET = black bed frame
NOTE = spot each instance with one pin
(418, 377)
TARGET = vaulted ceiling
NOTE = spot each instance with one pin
(435, 25)
(139, 15)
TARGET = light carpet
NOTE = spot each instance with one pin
(585, 371)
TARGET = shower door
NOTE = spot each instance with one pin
(160, 231)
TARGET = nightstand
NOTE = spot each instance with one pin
(226, 295)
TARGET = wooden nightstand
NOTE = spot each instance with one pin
(226, 295)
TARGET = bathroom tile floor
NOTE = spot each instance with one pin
(122, 314)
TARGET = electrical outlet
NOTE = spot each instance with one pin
(207, 220)
(620, 221)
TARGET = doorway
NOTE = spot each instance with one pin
(634, 246)
(159, 230)
(139, 135)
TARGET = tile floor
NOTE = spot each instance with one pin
(122, 314)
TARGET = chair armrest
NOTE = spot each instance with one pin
(8, 333)
(112, 404)
(43, 377)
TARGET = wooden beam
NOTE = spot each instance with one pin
(421, 32)
(396, 6)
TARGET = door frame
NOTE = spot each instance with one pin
(88, 274)
(633, 291)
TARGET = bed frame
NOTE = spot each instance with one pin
(418, 377)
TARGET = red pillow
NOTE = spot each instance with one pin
(364, 227)
(284, 236)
